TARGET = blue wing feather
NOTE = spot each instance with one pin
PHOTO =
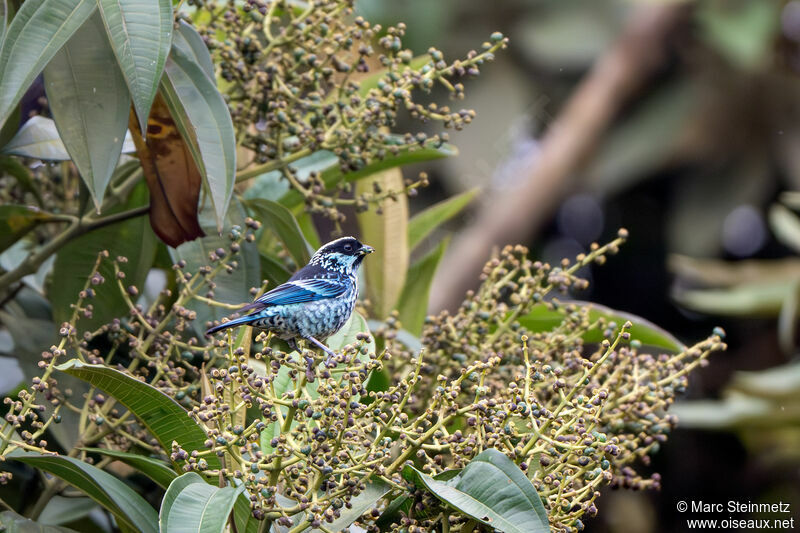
(302, 291)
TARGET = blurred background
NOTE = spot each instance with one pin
(679, 121)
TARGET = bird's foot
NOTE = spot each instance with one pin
(310, 374)
(330, 362)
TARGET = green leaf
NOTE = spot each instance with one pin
(90, 104)
(3, 18)
(191, 44)
(191, 505)
(366, 500)
(11, 166)
(385, 270)
(743, 32)
(243, 515)
(39, 29)
(61, 510)
(9, 129)
(780, 383)
(735, 410)
(492, 490)
(306, 224)
(413, 302)
(233, 288)
(347, 335)
(205, 124)
(403, 502)
(140, 32)
(127, 507)
(38, 138)
(15, 222)
(718, 273)
(423, 223)
(543, 319)
(161, 415)
(333, 174)
(132, 238)
(281, 221)
(762, 299)
(786, 226)
(273, 271)
(787, 320)
(155, 469)
(11, 522)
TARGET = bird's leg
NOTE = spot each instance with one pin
(293, 345)
(310, 375)
(331, 353)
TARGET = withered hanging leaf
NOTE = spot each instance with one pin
(172, 176)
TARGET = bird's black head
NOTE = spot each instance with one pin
(344, 255)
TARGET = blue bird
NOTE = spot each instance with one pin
(316, 301)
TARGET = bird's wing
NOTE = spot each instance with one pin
(302, 291)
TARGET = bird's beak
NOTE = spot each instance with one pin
(366, 250)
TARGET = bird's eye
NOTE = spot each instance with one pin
(348, 247)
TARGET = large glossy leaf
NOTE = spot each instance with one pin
(761, 298)
(132, 239)
(171, 174)
(273, 270)
(786, 226)
(39, 29)
(161, 415)
(205, 123)
(140, 32)
(90, 103)
(306, 224)
(3, 18)
(191, 505)
(243, 515)
(366, 500)
(37, 138)
(61, 510)
(403, 503)
(188, 41)
(492, 490)
(15, 222)
(543, 319)
(717, 273)
(9, 129)
(127, 507)
(281, 221)
(385, 270)
(233, 288)
(347, 335)
(423, 223)
(333, 174)
(11, 522)
(413, 302)
(156, 470)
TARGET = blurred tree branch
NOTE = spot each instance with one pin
(515, 216)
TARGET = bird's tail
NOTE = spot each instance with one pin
(231, 323)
